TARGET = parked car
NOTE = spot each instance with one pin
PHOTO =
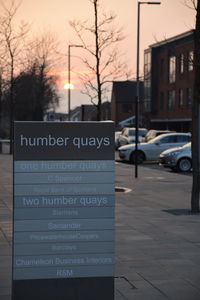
(152, 133)
(151, 150)
(117, 134)
(178, 159)
(127, 135)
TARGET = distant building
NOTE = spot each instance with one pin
(55, 116)
(76, 114)
(168, 83)
(123, 100)
(106, 111)
(88, 112)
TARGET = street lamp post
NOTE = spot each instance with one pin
(69, 79)
(137, 100)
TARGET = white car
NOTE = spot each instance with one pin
(117, 134)
(150, 151)
(152, 133)
(127, 135)
(177, 159)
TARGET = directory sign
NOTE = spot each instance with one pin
(63, 239)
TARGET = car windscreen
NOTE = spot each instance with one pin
(131, 132)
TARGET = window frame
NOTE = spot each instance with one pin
(171, 100)
(172, 69)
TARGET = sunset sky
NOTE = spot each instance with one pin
(158, 22)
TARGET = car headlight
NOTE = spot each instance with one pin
(123, 151)
(174, 153)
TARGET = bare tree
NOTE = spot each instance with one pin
(11, 39)
(2, 60)
(41, 56)
(43, 48)
(103, 61)
(196, 115)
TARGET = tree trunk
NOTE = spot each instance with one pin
(12, 104)
(196, 117)
(1, 131)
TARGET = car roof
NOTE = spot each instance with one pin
(160, 130)
(169, 134)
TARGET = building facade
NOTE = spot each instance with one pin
(88, 112)
(123, 100)
(168, 83)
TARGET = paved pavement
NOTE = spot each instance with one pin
(157, 238)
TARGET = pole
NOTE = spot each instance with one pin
(137, 91)
(137, 99)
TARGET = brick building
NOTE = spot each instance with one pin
(168, 83)
(123, 100)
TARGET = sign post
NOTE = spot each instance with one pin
(63, 239)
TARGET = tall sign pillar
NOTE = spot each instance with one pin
(63, 227)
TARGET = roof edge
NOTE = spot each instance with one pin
(172, 39)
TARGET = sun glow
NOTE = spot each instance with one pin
(68, 86)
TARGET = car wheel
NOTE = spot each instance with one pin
(184, 165)
(140, 157)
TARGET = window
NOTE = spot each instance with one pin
(172, 69)
(131, 132)
(147, 106)
(168, 139)
(183, 138)
(180, 100)
(181, 63)
(190, 60)
(176, 139)
(147, 81)
(189, 97)
(171, 100)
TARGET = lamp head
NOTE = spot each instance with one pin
(151, 2)
(81, 46)
(154, 3)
